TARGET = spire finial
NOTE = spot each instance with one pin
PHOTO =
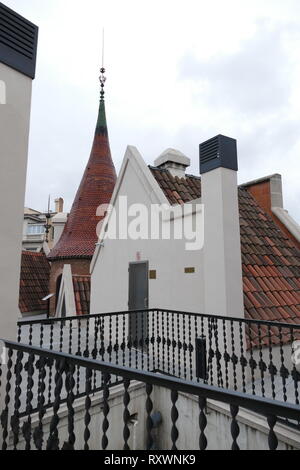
(102, 77)
(47, 225)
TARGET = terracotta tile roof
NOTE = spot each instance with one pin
(271, 261)
(34, 281)
(177, 190)
(82, 289)
(79, 236)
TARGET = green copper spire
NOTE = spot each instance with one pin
(101, 127)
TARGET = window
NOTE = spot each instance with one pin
(35, 229)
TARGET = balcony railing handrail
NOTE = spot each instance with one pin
(247, 321)
(260, 405)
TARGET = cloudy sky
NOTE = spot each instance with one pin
(178, 73)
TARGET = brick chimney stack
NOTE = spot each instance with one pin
(59, 205)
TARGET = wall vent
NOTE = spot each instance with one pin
(18, 41)
(220, 151)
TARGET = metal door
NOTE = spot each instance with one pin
(138, 300)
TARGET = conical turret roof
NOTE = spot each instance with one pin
(79, 236)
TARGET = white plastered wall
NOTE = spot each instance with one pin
(14, 133)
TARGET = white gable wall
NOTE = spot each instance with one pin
(173, 289)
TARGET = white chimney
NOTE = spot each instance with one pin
(18, 47)
(222, 243)
(174, 161)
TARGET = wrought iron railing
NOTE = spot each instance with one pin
(251, 356)
(23, 381)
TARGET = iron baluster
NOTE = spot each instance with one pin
(252, 361)
(142, 342)
(130, 340)
(148, 343)
(15, 419)
(95, 350)
(243, 360)
(295, 373)
(106, 410)
(234, 358)
(190, 348)
(283, 370)
(110, 340)
(53, 440)
(169, 343)
(78, 354)
(126, 415)
(117, 340)
(184, 347)
(26, 429)
(41, 335)
(235, 430)
(70, 336)
(102, 331)
(136, 341)
(30, 334)
(262, 364)
(88, 404)
(4, 415)
(19, 333)
(211, 352)
(70, 385)
(158, 340)
(38, 434)
(124, 341)
(226, 355)
(272, 368)
(61, 339)
(202, 423)
(149, 422)
(174, 418)
(87, 339)
(163, 340)
(50, 363)
(218, 353)
(179, 345)
(153, 342)
(173, 344)
(272, 438)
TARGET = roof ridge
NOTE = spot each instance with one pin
(165, 170)
(33, 253)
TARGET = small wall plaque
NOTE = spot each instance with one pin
(189, 270)
(152, 274)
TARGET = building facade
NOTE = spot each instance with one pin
(42, 230)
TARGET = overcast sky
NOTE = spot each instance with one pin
(178, 73)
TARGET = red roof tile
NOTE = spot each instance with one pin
(82, 289)
(34, 280)
(271, 261)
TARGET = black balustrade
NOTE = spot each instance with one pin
(239, 354)
(25, 381)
